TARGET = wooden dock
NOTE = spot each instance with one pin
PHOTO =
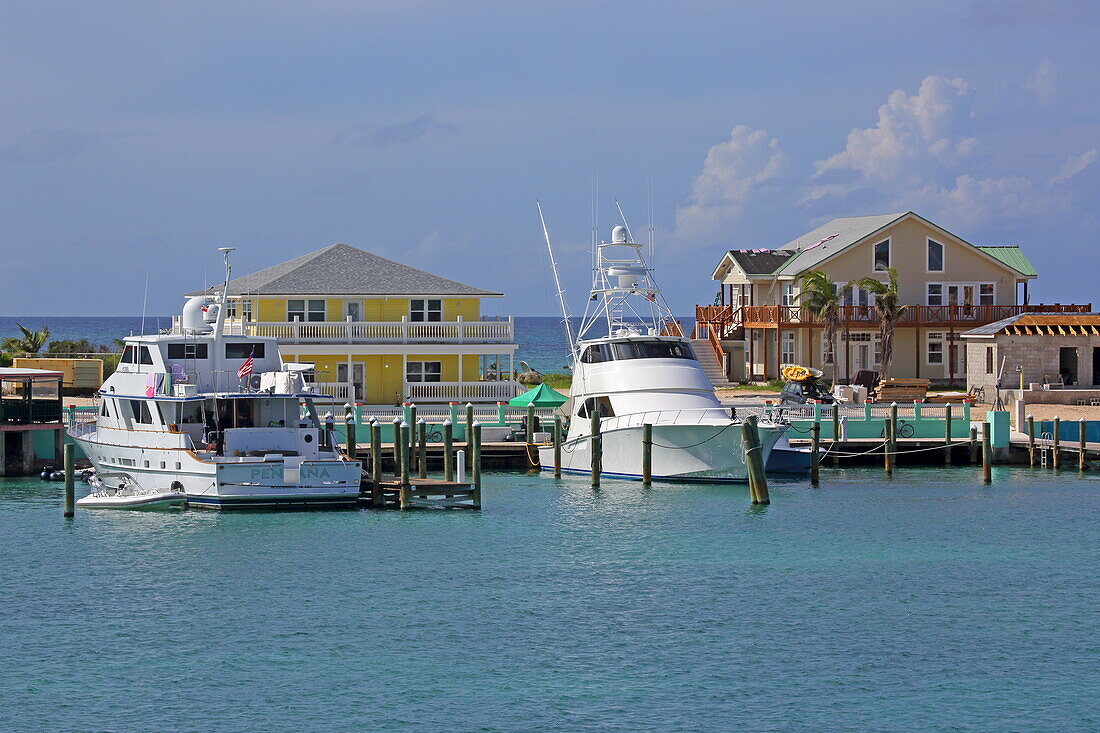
(421, 493)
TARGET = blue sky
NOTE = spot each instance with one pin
(138, 137)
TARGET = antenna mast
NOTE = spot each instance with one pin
(557, 284)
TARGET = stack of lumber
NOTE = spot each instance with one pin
(940, 398)
(901, 390)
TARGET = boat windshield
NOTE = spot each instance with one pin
(652, 350)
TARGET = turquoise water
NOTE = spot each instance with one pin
(928, 602)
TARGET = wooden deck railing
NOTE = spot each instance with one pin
(726, 318)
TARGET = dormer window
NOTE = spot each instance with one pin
(882, 256)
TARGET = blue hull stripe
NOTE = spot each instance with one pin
(263, 502)
(638, 477)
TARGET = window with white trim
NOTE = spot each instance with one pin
(882, 256)
(985, 294)
(786, 354)
(855, 295)
(424, 371)
(935, 256)
(934, 348)
(305, 310)
(935, 294)
(425, 309)
(790, 295)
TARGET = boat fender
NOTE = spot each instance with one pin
(57, 476)
(45, 475)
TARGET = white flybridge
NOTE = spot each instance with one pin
(218, 418)
(632, 364)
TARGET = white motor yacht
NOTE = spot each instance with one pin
(632, 364)
(216, 418)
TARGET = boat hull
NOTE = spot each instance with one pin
(704, 453)
(159, 500)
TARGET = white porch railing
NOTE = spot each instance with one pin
(352, 332)
(336, 391)
(461, 391)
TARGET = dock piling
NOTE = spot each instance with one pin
(987, 455)
(403, 443)
(460, 465)
(647, 454)
(1057, 447)
(477, 465)
(754, 463)
(1031, 440)
(947, 434)
(530, 427)
(1081, 446)
(596, 449)
(422, 448)
(70, 482)
(836, 433)
(557, 446)
(891, 439)
(973, 445)
(815, 455)
(469, 433)
(448, 450)
(376, 462)
(349, 425)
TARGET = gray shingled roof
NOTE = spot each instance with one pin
(341, 269)
(759, 262)
(840, 233)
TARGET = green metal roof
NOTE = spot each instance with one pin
(1013, 257)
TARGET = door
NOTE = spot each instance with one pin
(357, 378)
(1096, 366)
(863, 357)
(1067, 364)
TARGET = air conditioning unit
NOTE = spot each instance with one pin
(186, 390)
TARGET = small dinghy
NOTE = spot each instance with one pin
(128, 495)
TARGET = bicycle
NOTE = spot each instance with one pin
(905, 430)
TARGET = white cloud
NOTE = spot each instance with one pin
(1042, 81)
(737, 174)
(1074, 166)
(915, 136)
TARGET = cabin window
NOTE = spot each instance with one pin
(103, 409)
(596, 354)
(145, 356)
(423, 371)
(305, 310)
(651, 350)
(139, 410)
(882, 255)
(192, 413)
(128, 355)
(935, 294)
(187, 351)
(985, 294)
(935, 256)
(935, 348)
(423, 309)
(243, 350)
(602, 403)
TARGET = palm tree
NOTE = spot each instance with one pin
(821, 295)
(31, 342)
(889, 309)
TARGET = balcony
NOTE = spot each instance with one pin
(374, 332)
(425, 392)
(728, 320)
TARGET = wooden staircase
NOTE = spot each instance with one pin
(709, 361)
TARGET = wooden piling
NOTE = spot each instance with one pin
(815, 455)
(1081, 446)
(349, 426)
(891, 430)
(530, 427)
(1057, 447)
(376, 463)
(836, 433)
(422, 448)
(947, 434)
(1031, 440)
(402, 443)
(596, 449)
(448, 450)
(70, 482)
(647, 454)
(987, 455)
(557, 446)
(754, 462)
(397, 450)
(413, 453)
(476, 452)
(469, 435)
(973, 445)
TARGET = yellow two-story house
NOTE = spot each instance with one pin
(377, 332)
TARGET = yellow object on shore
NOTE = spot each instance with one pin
(795, 373)
(79, 373)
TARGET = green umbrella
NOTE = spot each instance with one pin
(540, 396)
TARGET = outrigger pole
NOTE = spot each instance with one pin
(557, 284)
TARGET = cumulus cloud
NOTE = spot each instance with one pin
(737, 174)
(916, 136)
(1042, 81)
(397, 133)
(1075, 166)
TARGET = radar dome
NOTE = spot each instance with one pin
(618, 235)
(193, 315)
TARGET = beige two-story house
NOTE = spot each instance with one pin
(757, 323)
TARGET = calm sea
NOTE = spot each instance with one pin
(927, 602)
(541, 340)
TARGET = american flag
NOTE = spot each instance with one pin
(245, 369)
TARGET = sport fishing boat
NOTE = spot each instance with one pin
(632, 365)
(216, 418)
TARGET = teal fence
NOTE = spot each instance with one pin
(869, 421)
